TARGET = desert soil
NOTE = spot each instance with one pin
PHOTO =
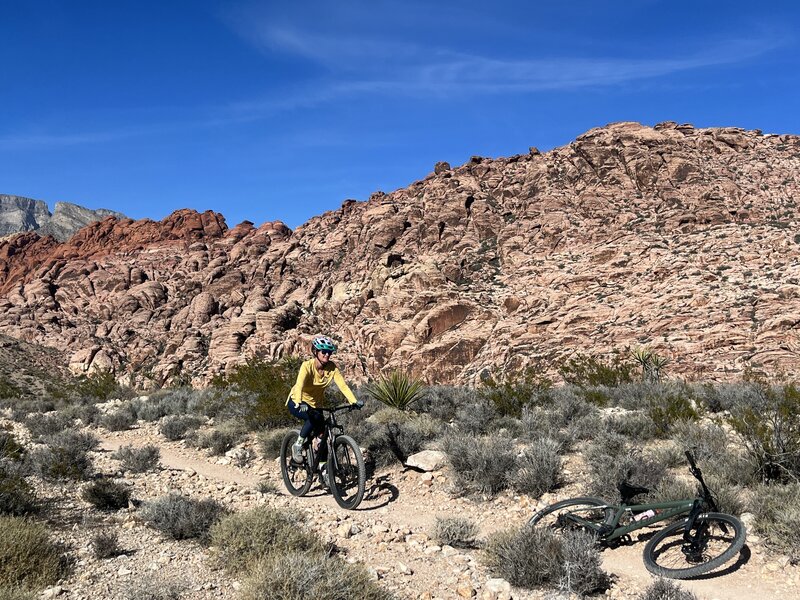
(388, 533)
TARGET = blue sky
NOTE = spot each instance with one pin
(263, 111)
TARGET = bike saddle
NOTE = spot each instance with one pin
(628, 491)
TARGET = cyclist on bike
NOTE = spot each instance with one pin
(308, 393)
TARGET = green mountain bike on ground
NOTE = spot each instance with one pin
(700, 542)
(346, 474)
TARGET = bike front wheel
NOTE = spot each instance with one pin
(555, 516)
(297, 478)
(347, 473)
(717, 538)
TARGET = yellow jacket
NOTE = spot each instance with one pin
(310, 385)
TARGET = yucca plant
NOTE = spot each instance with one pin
(652, 364)
(398, 390)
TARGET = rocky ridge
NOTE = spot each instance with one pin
(18, 214)
(679, 238)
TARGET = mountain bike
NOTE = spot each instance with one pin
(345, 467)
(701, 542)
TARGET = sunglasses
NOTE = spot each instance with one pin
(325, 352)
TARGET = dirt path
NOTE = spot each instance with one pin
(388, 533)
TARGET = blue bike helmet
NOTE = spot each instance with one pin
(322, 342)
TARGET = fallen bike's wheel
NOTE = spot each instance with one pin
(719, 538)
(296, 477)
(589, 509)
(347, 474)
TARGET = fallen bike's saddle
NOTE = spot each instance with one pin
(628, 491)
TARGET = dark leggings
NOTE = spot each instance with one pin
(313, 424)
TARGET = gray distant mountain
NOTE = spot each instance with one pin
(18, 214)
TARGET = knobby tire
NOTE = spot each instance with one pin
(347, 474)
(663, 555)
(600, 516)
(297, 478)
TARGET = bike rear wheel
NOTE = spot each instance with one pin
(347, 474)
(297, 478)
(590, 509)
(720, 538)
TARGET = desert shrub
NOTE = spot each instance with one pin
(16, 593)
(668, 411)
(458, 532)
(777, 517)
(8, 389)
(105, 544)
(154, 588)
(397, 390)
(770, 431)
(719, 397)
(121, 419)
(10, 448)
(644, 394)
(222, 438)
(44, 425)
(149, 409)
(86, 412)
(175, 427)
(480, 464)
(611, 460)
(180, 517)
(243, 457)
(533, 557)
(634, 425)
(17, 497)
(671, 488)
(476, 416)
(29, 556)
(539, 468)
(105, 494)
(269, 442)
(259, 391)
(65, 457)
(664, 589)
(100, 384)
(588, 371)
(510, 393)
(275, 578)
(246, 537)
(267, 486)
(441, 401)
(80, 440)
(138, 460)
(707, 441)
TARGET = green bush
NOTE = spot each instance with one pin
(458, 532)
(533, 557)
(105, 494)
(180, 517)
(663, 589)
(669, 411)
(247, 537)
(29, 556)
(777, 517)
(591, 371)
(139, 460)
(80, 440)
(397, 390)
(769, 427)
(8, 389)
(101, 385)
(276, 578)
(481, 464)
(221, 439)
(10, 448)
(511, 393)
(634, 425)
(154, 588)
(260, 390)
(17, 497)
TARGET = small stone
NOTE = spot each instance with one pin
(465, 590)
(404, 569)
(496, 589)
(124, 571)
(52, 592)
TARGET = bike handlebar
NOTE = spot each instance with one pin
(338, 408)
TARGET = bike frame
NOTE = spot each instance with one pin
(333, 429)
(663, 510)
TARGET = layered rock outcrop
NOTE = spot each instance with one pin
(19, 214)
(679, 238)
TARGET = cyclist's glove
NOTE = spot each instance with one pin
(359, 404)
(303, 407)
